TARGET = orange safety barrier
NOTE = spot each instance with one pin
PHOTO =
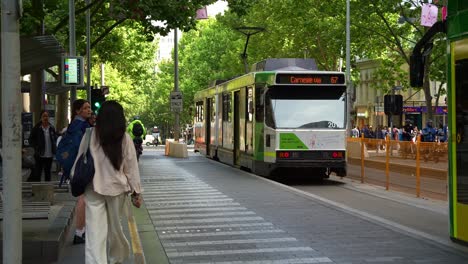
(410, 166)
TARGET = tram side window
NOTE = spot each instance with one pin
(259, 99)
(199, 116)
(213, 110)
(250, 105)
(227, 107)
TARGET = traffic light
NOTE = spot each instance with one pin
(393, 104)
(97, 98)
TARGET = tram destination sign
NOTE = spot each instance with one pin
(311, 78)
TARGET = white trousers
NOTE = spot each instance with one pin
(104, 229)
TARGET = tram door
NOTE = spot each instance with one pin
(209, 104)
(459, 141)
(236, 128)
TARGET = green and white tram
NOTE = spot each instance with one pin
(284, 115)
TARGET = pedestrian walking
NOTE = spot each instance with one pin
(68, 148)
(43, 139)
(116, 176)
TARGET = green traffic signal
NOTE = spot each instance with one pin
(97, 98)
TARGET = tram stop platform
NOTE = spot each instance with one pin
(46, 223)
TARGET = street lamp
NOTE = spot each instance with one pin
(248, 31)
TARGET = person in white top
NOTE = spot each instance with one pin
(116, 175)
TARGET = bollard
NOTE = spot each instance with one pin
(418, 166)
(362, 158)
(387, 162)
(43, 193)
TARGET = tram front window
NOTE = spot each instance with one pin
(305, 107)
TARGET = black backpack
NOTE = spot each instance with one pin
(137, 130)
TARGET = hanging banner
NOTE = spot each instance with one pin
(429, 15)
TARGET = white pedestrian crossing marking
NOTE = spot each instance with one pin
(186, 210)
(236, 251)
(209, 220)
(233, 241)
(228, 233)
(214, 226)
(278, 261)
(198, 223)
(196, 198)
(204, 215)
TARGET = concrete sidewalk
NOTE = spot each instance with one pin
(150, 252)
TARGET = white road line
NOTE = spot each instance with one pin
(196, 201)
(209, 220)
(236, 251)
(277, 261)
(152, 205)
(189, 197)
(205, 215)
(230, 242)
(167, 192)
(213, 226)
(216, 209)
(227, 233)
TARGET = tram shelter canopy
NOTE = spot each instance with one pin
(39, 53)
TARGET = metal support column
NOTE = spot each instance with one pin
(11, 136)
(88, 51)
(176, 85)
(349, 104)
(72, 41)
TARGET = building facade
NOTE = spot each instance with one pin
(368, 107)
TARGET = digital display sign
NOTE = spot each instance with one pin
(311, 78)
(72, 71)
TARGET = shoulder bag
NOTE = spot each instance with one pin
(83, 171)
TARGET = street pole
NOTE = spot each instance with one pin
(88, 51)
(11, 136)
(392, 103)
(349, 103)
(176, 85)
(72, 41)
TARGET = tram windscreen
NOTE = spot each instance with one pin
(306, 107)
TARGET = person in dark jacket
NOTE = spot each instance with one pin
(43, 139)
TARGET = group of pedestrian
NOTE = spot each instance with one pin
(99, 210)
(407, 132)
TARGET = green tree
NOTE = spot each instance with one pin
(396, 27)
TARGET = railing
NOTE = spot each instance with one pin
(409, 166)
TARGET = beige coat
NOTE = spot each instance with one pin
(107, 180)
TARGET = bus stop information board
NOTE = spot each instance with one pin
(72, 71)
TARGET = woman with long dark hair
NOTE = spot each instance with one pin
(116, 175)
